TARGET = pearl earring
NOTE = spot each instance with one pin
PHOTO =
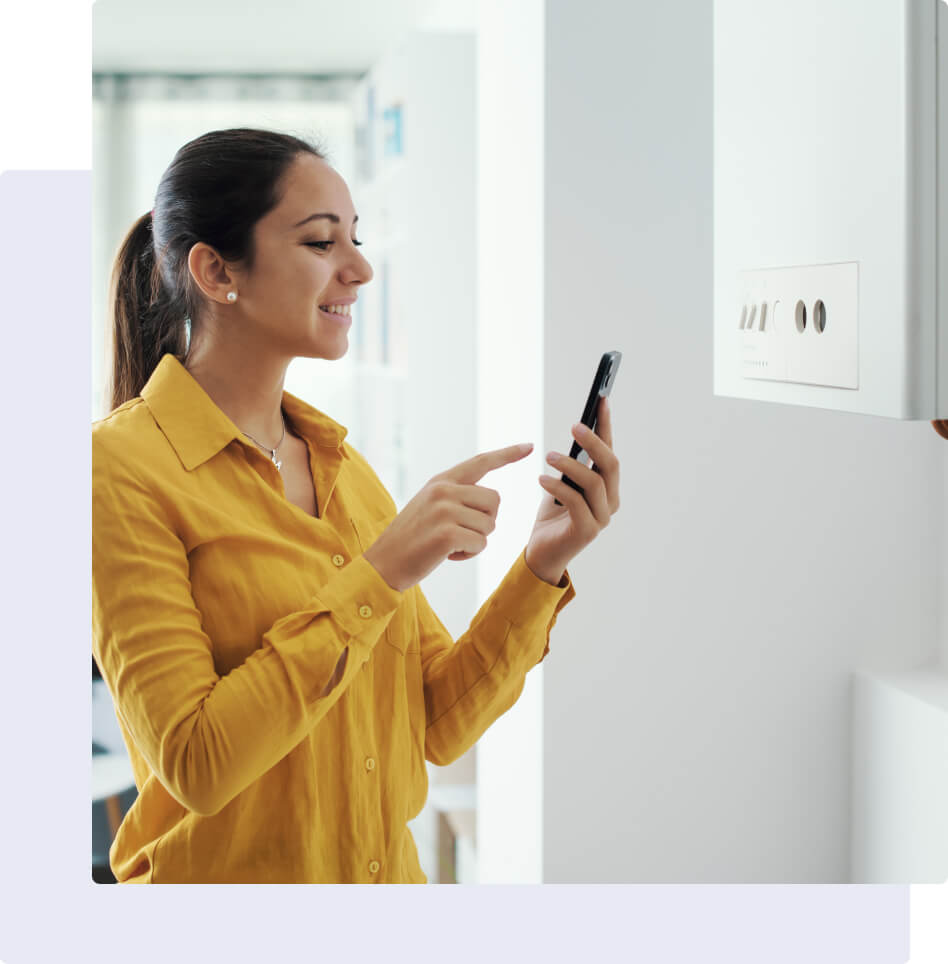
(231, 296)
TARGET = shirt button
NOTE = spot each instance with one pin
(369, 763)
(365, 611)
(338, 560)
(374, 867)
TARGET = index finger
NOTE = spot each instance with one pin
(472, 469)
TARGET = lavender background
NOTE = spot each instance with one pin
(53, 911)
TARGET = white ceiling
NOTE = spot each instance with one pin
(308, 36)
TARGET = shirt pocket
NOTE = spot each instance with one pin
(368, 528)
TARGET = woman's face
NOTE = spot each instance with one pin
(303, 262)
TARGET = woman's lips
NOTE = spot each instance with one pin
(338, 319)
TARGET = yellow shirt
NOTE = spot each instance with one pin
(219, 612)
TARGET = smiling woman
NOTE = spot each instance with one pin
(277, 672)
(232, 218)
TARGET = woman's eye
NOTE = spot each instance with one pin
(323, 245)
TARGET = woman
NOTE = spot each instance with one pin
(278, 675)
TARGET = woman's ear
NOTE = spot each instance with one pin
(210, 272)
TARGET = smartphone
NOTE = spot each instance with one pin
(601, 387)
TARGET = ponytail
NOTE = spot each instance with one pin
(215, 190)
(146, 323)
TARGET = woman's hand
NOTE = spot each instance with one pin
(451, 517)
(560, 532)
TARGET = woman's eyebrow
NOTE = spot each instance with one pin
(332, 217)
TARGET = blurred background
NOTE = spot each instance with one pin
(349, 76)
(763, 628)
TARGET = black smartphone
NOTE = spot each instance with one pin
(601, 387)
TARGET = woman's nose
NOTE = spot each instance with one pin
(359, 269)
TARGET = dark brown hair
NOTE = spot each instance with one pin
(215, 190)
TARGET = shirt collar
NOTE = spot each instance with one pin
(198, 429)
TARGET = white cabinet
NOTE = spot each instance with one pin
(831, 204)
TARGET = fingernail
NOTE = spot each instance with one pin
(526, 446)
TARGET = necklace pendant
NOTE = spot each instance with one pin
(273, 457)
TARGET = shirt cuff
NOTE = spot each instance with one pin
(360, 599)
(525, 594)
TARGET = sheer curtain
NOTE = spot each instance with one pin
(139, 121)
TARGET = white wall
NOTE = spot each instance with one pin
(900, 782)
(943, 559)
(697, 695)
(510, 396)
